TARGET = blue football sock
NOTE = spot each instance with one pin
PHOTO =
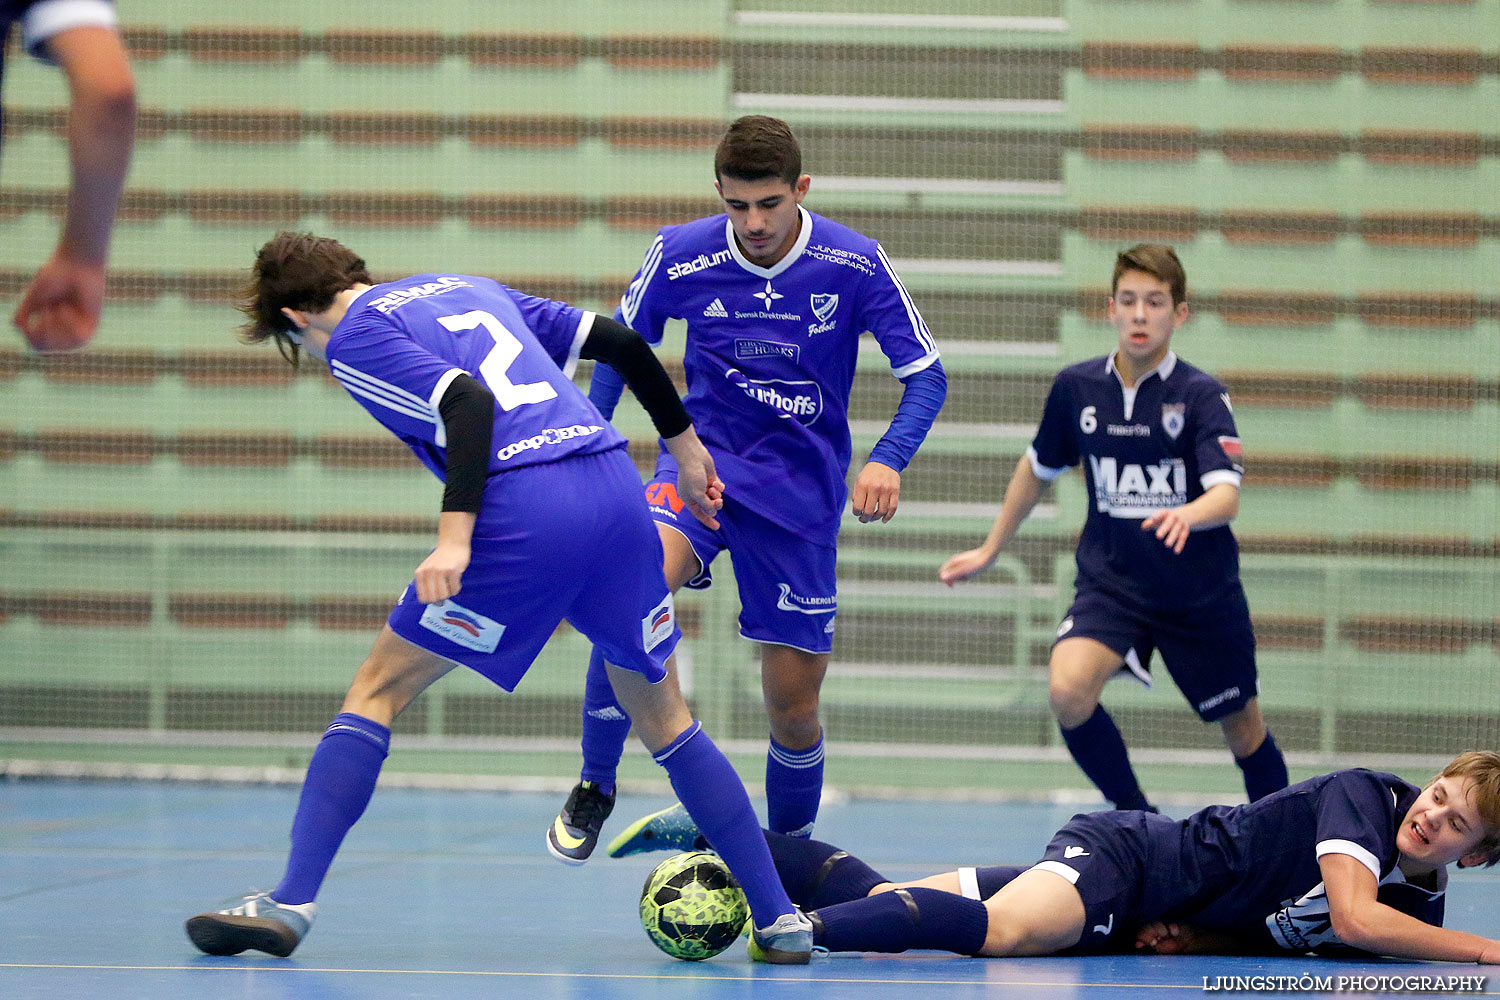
(714, 796)
(817, 874)
(901, 919)
(794, 784)
(1264, 770)
(340, 779)
(1100, 751)
(605, 727)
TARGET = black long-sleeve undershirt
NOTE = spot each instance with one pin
(468, 412)
(620, 347)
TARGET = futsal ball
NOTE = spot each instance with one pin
(692, 907)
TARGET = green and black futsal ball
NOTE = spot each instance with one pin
(692, 907)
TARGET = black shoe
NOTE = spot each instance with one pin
(575, 832)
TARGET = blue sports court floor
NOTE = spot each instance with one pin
(451, 894)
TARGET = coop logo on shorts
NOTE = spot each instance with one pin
(657, 625)
(1065, 627)
(799, 400)
(458, 624)
(550, 436)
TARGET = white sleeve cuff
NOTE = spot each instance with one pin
(1211, 479)
(440, 433)
(1352, 849)
(1043, 472)
(585, 324)
(921, 364)
(50, 17)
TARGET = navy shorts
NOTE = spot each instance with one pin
(1208, 650)
(788, 586)
(564, 540)
(1103, 855)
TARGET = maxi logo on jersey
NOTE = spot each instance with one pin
(798, 400)
(1134, 491)
(458, 624)
(393, 300)
(552, 435)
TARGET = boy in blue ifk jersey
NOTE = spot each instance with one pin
(1352, 860)
(775, 299)
(1158, 567)
(474, 378)
(59, 309)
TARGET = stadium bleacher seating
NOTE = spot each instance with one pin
(1340, 229)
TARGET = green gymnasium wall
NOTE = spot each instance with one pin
(196, 545)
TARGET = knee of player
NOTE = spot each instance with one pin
(794, 722)
(1003, 935)
(1071, 702)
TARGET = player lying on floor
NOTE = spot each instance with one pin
(1352, 859)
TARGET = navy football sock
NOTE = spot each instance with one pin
(714, 796)
(794, 784)
(1264, 770)
(901, 919)
(605, 727)
(340, 779)
(1100, 751)
(817, 874)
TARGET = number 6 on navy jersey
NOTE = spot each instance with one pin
(495, 365)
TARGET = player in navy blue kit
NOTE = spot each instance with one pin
(1158, 567)
(474, 378)
(775, 299)
(1355, 859)
(59, 309)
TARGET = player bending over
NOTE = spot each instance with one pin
(1157, 564)
(1354, 859)
(474, 377)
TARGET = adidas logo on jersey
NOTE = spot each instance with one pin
(716, 310)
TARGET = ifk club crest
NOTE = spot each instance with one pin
(823, 306)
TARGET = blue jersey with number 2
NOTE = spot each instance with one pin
(402, 343)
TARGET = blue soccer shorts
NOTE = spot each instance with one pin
(788, 586)
(564, 540)
(1208, 650)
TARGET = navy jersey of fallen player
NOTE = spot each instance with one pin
(771, 353)
(1157, 446)
(41, 19)
(401, 344)
(1254, 868)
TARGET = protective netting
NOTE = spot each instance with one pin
(197, 540)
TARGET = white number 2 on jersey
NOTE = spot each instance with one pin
(495, 365)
